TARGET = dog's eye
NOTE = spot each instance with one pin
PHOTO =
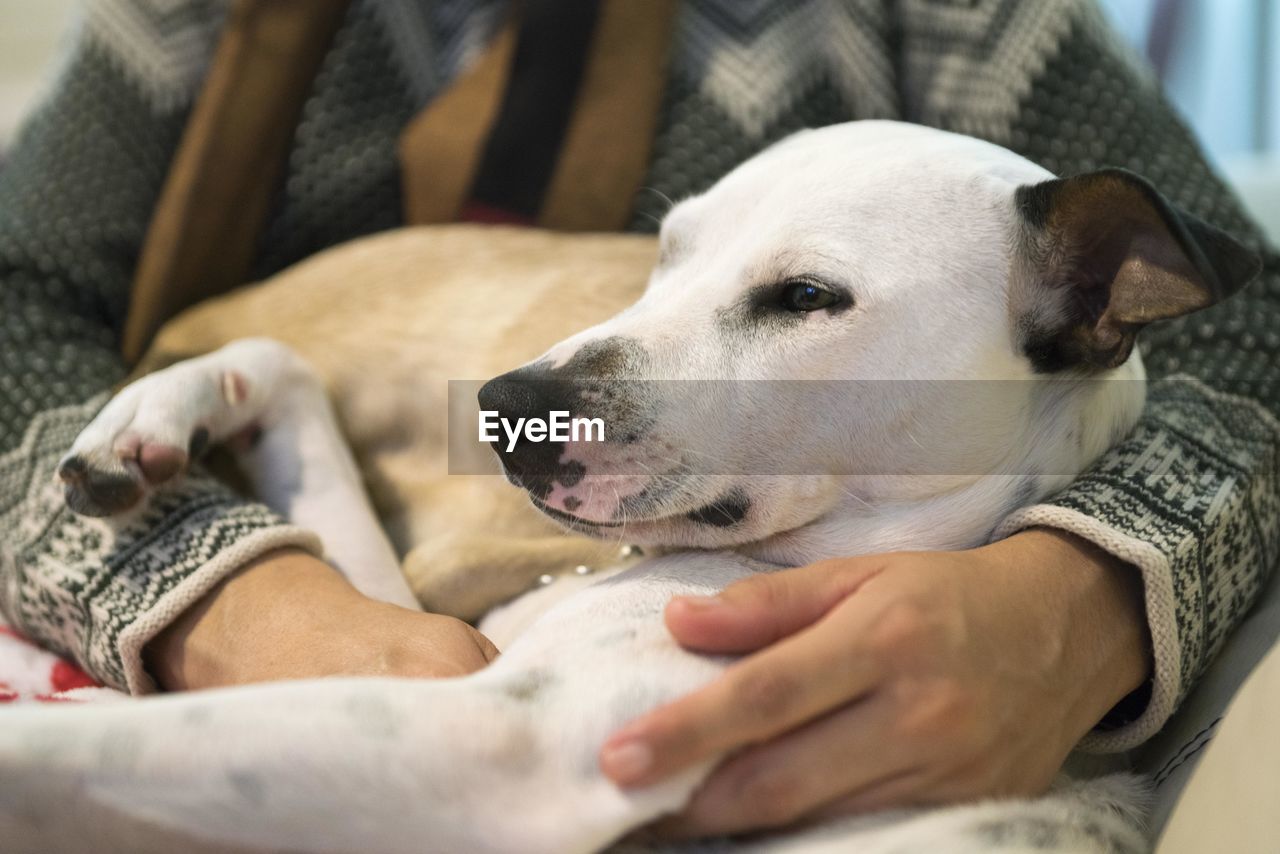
(806, 296)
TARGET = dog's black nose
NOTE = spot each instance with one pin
(513, 395)
(528, 393)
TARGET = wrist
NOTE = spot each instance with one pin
(239, 630)
(1090, 605)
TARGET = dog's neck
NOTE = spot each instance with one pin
(960, 518)
(1073, 423)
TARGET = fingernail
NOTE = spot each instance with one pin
(702, 603)
(626, 761)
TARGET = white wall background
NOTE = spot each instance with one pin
(1223, 73)
(30, 33)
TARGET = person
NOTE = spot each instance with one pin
(871, 681)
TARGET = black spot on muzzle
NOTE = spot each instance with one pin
(724, 512)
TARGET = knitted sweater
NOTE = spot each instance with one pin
(1191, 497)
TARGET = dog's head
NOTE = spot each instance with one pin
(807, 318)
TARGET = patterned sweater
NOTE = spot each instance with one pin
(1190, 497)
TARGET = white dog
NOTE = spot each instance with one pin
(894, 263)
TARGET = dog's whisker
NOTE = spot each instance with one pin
(670, 202)
(622, 509)
(858, 498)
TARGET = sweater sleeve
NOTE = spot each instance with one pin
(1192, 496)
(76, 194)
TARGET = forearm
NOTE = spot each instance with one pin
(288, 615)
(243, 629)
(1096, 635)
(1185, 499)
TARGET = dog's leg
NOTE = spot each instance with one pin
(266, 401)
(501, 761)
(1104, 815)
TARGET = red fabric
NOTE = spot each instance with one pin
(29, 673)
(489, 215)
(66, 677)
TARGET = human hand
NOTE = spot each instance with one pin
(893, 680)
(288, 615)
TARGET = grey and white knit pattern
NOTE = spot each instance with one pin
(103, 588)
(1190, 497)
(162, 46)
(755, 60)
(75, 200)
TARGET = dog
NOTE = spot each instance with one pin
(894, 265)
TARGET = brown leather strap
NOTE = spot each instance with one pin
(216, 198)
(604, 154)
(610, 137)
(441, 147)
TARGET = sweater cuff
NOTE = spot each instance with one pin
(1158, 594)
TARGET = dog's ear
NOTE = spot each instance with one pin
(1103, 255)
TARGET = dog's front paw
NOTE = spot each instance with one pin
(147, 435)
